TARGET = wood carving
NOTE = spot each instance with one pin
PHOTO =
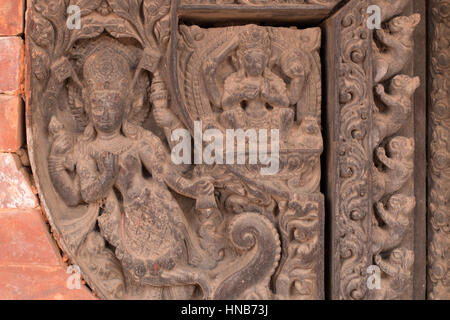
(396, 47)
(398, 106)
(139, 225)
(325, 3)
(253, 77)
(392, 173)
(397, 269)
(113, 101)
(349, 151)
(397, 220)
(438, 283)
(398, 168)
(389, 8)
(374, 216)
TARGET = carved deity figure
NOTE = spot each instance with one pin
(269, 88)
(126, 172)
(254, 77)
(253, 96)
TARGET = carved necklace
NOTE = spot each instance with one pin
(115, 145)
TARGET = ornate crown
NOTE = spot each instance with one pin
(107, 70)
(108, 66)
(254, 37)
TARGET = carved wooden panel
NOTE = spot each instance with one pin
(439, 175)
(349, 160)
(371, 151)
(261, 3)
(107, 99)
(128, 119)
(220, 74)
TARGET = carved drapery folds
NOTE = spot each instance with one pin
(439, 173)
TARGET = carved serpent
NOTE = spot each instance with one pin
(255, 233)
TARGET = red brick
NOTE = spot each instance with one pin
(11, 54)
(11, 17)
(38, 283)
(11, 119)
(24, 239)
(15, 186)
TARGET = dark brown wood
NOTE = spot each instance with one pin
(204, 13)
(106, 99)
(420, 133)
(375, 221)
(105, 102)
(438, 276)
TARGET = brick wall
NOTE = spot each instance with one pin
(31, 266)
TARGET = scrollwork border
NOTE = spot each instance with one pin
(438, 284)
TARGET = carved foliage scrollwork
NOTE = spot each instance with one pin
(251, 78)
(375, 154)
(353, 153)
(439, 180)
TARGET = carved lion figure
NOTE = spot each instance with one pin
(399, 167)
(398, 43)
(397, 269)
(399, 106)
(390, 8)
(396, 218)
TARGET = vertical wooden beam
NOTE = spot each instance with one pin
(348, 115)
(420, 163)
(438, 280)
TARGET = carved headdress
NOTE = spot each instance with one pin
(254, 37)
(108, 66)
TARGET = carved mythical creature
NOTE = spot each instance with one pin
(398, 47)
(298, 222)
(396, 219)
(397, 268)
(390, 8)
(399, 167)
(399, 106)
(139, 215)
(101, 262)
(393, 50)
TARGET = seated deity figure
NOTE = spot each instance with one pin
(127, 171)
(253, 96)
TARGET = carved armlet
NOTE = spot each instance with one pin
(56, 164)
